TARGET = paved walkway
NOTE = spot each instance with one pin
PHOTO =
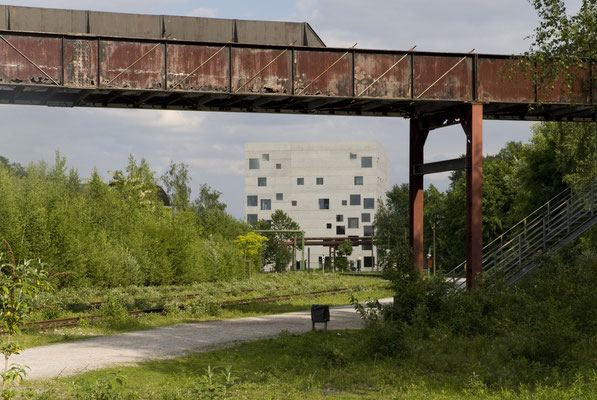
(170, 341)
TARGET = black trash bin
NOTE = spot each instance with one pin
(320, 314)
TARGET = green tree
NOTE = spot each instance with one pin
(19, 285)
(275, 251)
(391, 228)
(176, 181)
(250, 245)
(344, 251)
(562, 42)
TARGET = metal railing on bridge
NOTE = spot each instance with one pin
(513, 254)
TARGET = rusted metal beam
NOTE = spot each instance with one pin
(440, 166)
(473, 127)
(418, 136)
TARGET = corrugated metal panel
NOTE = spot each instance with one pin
(132, 65)
(198, 29)
(274, 33)
(498, 81)
(456, 85)
(395, 82)
(125, 25)
(4, 17)
(184, 59)
(47, 20)
(276, 78)
(80, 62)
(337, 81)
(578, 93)
(44, 52)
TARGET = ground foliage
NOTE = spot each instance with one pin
(117, 233)
(532, 341)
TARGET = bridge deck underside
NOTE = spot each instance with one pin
(83, 71)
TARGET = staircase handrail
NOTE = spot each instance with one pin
(540, 213)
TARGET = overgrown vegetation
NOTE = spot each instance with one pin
(206, 304)
(117, 233)
(533, 341)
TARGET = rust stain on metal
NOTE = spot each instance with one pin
(184, 59)
(80, 63)
(117, 58)
(43, 51)
(248, 62)
(396, 82)
(335, 82)
(504, 80)
(457, 85)
(560, 93)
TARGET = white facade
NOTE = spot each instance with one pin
(331, 189)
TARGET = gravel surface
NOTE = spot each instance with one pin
(65, 359)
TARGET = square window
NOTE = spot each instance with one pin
(367, 247)
(278, 166)
(253, 163)
(319, 181)
(265, 157)
(369, 204)
(367, 230)
(329, 226)
(366, 217)
(344, 202)
(300, 181)
(339, 218)
(261, 181)
(324, 204)
(366, 162)
(358, 180)
(279, 196)
(251, 218)
(353, 223)
(355, 199)
(353, 156)
(266, 204)
(340, 230)
(293, 203)
(252, 201)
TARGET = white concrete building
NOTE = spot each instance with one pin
(331, 189)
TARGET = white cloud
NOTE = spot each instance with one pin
(203, 12)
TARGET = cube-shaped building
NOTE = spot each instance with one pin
(331, 189)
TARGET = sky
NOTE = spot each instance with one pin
(212, 144)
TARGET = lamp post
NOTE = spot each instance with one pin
(433, 229)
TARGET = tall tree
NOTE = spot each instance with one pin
(275, 251)
(562, 42)
(176, 181)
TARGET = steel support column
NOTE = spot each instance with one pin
(472, 123)
(418, 136)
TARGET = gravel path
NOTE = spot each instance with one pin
(170, 341)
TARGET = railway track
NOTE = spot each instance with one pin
(74, 321)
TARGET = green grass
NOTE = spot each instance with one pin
(363, 288)
(316, 365)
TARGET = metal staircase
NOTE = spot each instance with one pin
(559, 221)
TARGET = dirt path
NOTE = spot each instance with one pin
(170, 341)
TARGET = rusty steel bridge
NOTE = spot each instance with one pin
(68, 58)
